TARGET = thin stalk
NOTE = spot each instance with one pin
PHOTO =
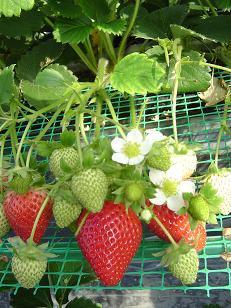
(141, 113)
(211, 8)
(49, 22)
(4, 125)
(38, 217)
(29, 155)
(82, 56)
(98, 113)
(171, 239)
(223, 68)
(21, 142)
(90, 51)
(77, 134)
(1, 161)
(129, 28)
(82, 223)
(177, 70)
(110, 48)
(223, 122)
(133, 111)
(113, 114)
(82, 130)
(203, 7)
(67, 108)
(13, 143)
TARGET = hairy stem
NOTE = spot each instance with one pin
(133, 111)
(21, 142)
(82, 223)
(109, 47)
(90, 51)
(82, 130)
(211, 8)
(129, 28)
(141, 113)
(98, 113)
(77, 134)
(82, 56)
(171, 239)
(223, 68)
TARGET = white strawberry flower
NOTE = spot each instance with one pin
(170, 192)
(134, 147)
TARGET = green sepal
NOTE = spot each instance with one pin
(213, 219)
(187, 196)
(182, 211)
(210, 195)
(172, 253)
(88, 158)
(67, 138)
(64, 193)
(45, 148)
(192, 222)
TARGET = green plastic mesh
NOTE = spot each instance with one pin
(196, 123)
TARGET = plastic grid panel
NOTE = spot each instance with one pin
(145, 272)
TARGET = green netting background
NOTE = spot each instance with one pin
(196, 123)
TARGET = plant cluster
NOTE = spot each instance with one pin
(102, 188)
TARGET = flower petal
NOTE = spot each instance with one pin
(159, 198)
(135, 136)
(174, 173)
(187, 186)
(136, 160)
(117, 144)
(154, 135)
(175, 203)
(156, 176)
(120, 158)
(146, 146)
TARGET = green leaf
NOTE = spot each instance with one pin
(182, 32)
(65, 8)
(26, 298)
(7, 85)
(25, 25)
(97, 10)
(14, 7)
(194, 76)
(37, 58)
(82, 302)
(72, 31)
(223, 4)
(45, 148)
(157, 24)
(67, 138)
(136, 73)
(116, 27)
(50, 86)
(216, 27)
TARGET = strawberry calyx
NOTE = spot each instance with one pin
(29, 250)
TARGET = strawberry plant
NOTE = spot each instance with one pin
(102, 188)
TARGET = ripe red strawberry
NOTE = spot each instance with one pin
(21, 212)
(178, 226)
(109, 239)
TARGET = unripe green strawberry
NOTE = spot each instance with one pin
(28, 272)
(90, 188)
(20, 185)
(159, 157)
(186, 267)
(69, 156)
(4, 224)
(134, 192)
(199, 208)
(65, 212)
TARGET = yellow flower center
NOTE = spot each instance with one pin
(169, 188)
(131, 149)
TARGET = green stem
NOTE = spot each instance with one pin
(82, 223)
(21, 143)
(203, 7)
(82, 130)
(29, 156)
(171, 239)
(1, 161)
(113, 114)
(129, 28)
(13, 143)
(223, 68)
(49, 22)
(223, 122)
(82, 56)
(67, 108)
(211, 8)
(38, 217)
(109, 47)
(177, 49)
(98, 114)
(133, 111)
(141, 113)
(5, 125)
(90, 51)
(78, 141)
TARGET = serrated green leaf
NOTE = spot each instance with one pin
(157, 24)
(97, 10)
(216, 27)
(82, 302)
(7, 85)
(67, 138)
(116, 27)
(182, 32)
(73, 32)
(66, 8)
(44, 148)
(36, 59)
(25, 25)
(194, 76)
(136, 73)
(11, 8)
